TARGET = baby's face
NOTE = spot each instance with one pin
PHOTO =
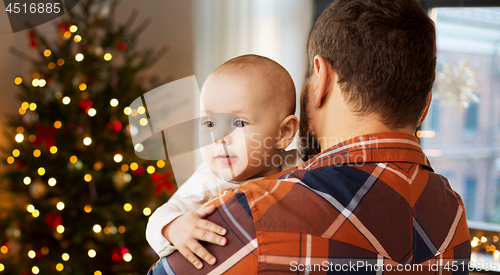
(240, 106)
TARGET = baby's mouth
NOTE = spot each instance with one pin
(225, 159)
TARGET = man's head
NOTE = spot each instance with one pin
(259, 96)
(380, 55)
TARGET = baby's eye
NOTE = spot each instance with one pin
(209, 124)
(240, 123)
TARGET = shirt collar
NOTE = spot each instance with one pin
(378, 147)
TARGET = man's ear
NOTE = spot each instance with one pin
(287, 130)
(323, 70)
(426, 110)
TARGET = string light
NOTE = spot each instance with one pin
(33, 106)
(127, 207)
(141, 110)
(4, 249)
(53, 149)
(32, 138)
(87, 141)
(67, 34)
(51, 65)
(127, 257)
(65, 257)
(35, 269)
(92, 253)
(98, 166)
(47, 53)
(19, 138)
(113, 102)
(97, 228)
(60, 62)
(60, 205)
(37, 153)
(25, 105)
(22, 111)
(31, 254)
(79, 57)
(151, 169)
(73, 159)
(10, 160)
(42, 83)
(87, 177)
(35, 82)
(77, 38)
(73, 28)
(160, 164)
(121, 229)
(92, 112)
(127, 111)
(146, 211)
(16, 153)
(87, 208)
(41, 171)
(58, 95)
(27, 180)
(134, 166)
(139, 147)
(57, 124)
(143, 121)
(18, 80)
(66, 100)
(108, 57)
(52, 182)
(97, 272)
(2, 267)
(82, 87)
(35, 213)
(60, 229)
(45, 250)
(118, 158)
(30, 208)
(59, 267)
(124, 167)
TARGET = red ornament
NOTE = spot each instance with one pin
(122, 46)
(19, 163)
(138, 172)
(114, 125)
(45, 135)
(163, 182)
(63, 26)
(32, 37)
(85, 105)
(117, 254)
(53, 220)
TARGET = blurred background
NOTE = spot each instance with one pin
(461, 135)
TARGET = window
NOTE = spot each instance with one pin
(471, 117)
(469, 195)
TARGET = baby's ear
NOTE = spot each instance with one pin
(287, 130)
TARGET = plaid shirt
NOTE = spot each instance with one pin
(369, 205)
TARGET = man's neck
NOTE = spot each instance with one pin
(339, 132)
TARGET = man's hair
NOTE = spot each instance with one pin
(280, 81)
(384, 52)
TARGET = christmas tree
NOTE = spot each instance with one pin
(81, 197)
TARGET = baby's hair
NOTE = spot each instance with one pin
(278, 77)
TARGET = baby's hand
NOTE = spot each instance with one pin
(185, 231)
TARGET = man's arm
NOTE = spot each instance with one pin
(238, 256)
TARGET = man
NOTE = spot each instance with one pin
(369, 201)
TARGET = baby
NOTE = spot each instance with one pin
(251, 100)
